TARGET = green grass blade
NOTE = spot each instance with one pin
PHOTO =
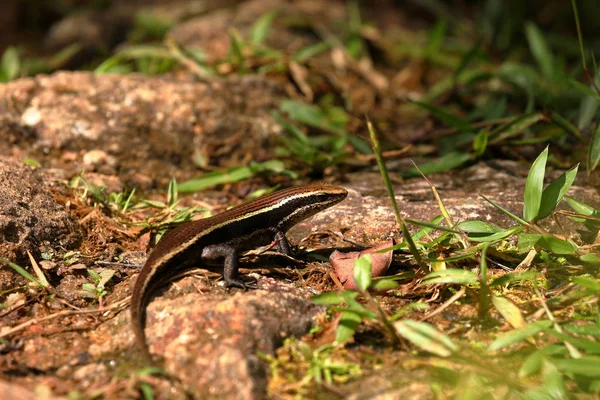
(446, 162)
(505, 211)
(431, 225)
(21, 271)
(390, 190)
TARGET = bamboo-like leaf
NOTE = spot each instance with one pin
(509, 311)
(362, 272)
(565, 124)
(10, 63)
(534, 187)
(451, 275)
(328, 298)
(540, 50)
(515, 127)
(556, 245)
(496, 237)
(431, 225)
(581, 207)
(347, 326)
(261, 28)
(450, 119)
(594, 150)
(587, 366)
(519, 335)
(555, 191)
(426, 337)
(480, 227)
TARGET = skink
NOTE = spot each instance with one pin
(225, 236)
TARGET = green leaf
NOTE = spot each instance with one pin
(584, 89)
(147, 391)
(584, 344)
(10, 64)
(454, 121)
(236, 54)
(172, 192)
(513, 277)
(555, 191)
(504, 210)
(515, 127)
(565, 124)
(553, 387)
(509, 311)
(496, 237)
(532, 364)
(479, 227)
(260, 29)
(556, 245)
(519, 335)
(31, 162)
(586, 366)
(534, 186)
(230, 175)
(480, 143)
(540, 50)
(590, 259)
(466, 59)
(594, 150)
(436, 38)
(362, 272)
(451, 275)
(328, 298)
(293, 130)
(426, 337)
(527, 241)
(588, 109)
(581, 207)
(304, 113)
(347, 326)
(444, 163)
(306, 53)
(23, 272)
(383, 284)
(587, 283)
(431, 225)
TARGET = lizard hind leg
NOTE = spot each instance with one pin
(231, 264)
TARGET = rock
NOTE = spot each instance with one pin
(136, 124)
(30, 218)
